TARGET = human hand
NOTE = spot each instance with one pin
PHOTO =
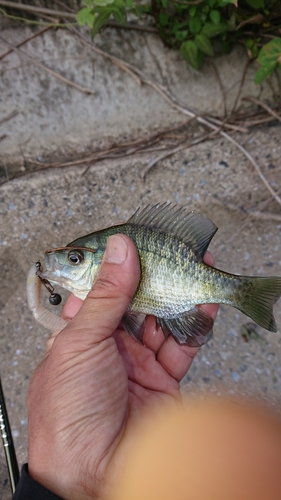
(96, 382)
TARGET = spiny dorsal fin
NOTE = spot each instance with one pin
(195, 230)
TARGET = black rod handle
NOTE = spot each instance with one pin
(8, 443)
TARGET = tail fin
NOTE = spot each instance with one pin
(257, 300)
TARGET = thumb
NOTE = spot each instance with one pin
(110, 296)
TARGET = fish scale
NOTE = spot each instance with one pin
(171, 243)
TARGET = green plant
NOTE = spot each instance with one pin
(269, 58)
(199, 28)
(97, 12)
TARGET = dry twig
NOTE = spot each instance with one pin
(138, 146)
(166, 94)
(64, 5)
(252, 213)
(26, 40)
(215, 125)
(9, 117)
(264, 106)
(248, 62)
(85, 90)
(217, 75)
(37, 10)
(225, 124)
(176, 150)
(70, 14)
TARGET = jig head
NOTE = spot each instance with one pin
(55, 298)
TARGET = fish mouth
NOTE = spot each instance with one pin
(59, 272)
(53, 267)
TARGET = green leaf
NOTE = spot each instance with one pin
(249, 43)
(227, 47)
(215, 16)
(120, 16)
(203, 43)
(264, 72)
(194, 25)
(256, 4)
(120, 4)
(211, 30)
(192, 11)
(179, 26)
(270, 52)
(191, 53)
(100, 21)
(252, 48)
(86, 16)
(163, 18)
(232, 21)
(101, 3)
(255, 51)
(88, 3)
(181, 35)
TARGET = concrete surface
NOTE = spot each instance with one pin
(49, 209)
(53, 117)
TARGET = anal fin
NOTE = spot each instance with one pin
(192, 328)
(134, 324)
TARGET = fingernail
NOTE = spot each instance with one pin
(116, 250)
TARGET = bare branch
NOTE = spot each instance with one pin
(9, 117)
(85, 90)
(26, 40)
(42, 11)
(153, 162)
(166, 94)
(37, 10)
(264, 106)
(252, 213)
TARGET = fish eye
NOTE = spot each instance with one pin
(75, 257)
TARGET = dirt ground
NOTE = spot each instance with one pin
(52, 207)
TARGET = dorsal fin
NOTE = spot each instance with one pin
(195, 230)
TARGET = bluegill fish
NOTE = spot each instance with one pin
(171, 243)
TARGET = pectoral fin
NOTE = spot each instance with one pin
(134, 324)
(192, 328)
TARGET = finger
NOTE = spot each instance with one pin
(112, 291)
(50, 342)
(175, 358)
(211, 309)
(142, 367)
(153, 337)
(71, 307)
(209, 259)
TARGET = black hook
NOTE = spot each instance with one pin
(55, 298)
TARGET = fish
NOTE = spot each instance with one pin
(171, 243)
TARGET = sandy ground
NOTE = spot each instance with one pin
(51, 208)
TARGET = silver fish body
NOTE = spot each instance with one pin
(171, 243)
